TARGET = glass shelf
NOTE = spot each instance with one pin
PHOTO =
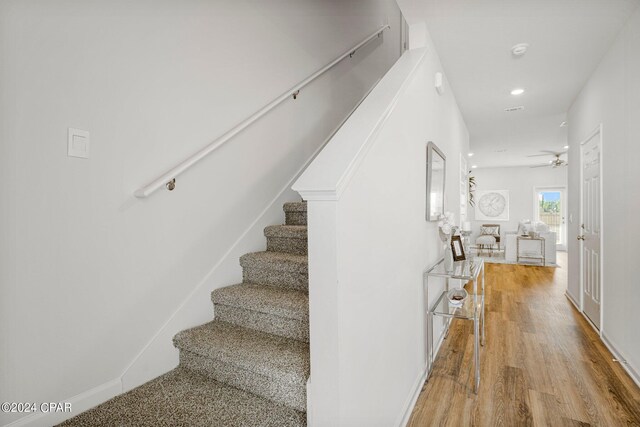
(463, 270)
(470, 309)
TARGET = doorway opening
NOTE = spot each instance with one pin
(550, 207)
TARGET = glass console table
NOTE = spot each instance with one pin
(472, 308)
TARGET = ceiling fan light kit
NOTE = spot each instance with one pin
(552, 163)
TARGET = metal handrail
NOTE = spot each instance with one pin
(168, 179)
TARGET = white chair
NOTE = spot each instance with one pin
(485, 242)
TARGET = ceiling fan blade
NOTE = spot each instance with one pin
(540, 166)
(555, 153)
(538, 155)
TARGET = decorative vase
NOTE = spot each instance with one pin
(448, 257)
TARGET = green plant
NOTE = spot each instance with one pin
(472, 189)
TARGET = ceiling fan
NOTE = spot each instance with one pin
(552, 163)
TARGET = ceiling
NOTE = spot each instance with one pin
(567, 39)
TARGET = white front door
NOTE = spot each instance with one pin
(590, 227)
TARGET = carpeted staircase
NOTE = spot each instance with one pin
(257, 343)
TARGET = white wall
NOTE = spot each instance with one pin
(369, 244)
(611, 97)
(520, 181)
(89, 274)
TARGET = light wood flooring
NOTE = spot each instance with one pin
(542, 364)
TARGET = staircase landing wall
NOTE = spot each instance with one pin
(369, 245)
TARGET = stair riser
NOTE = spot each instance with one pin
(295, 218)
(285, 279)
(287, 393)
(287, 245)
(271, 324)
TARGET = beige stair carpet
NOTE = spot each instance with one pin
(247, 367)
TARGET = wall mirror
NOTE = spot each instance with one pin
(436, 167)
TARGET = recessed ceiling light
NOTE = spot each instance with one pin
(518, 91)
(470, 154)
(566, 147)
(474, 166)
(520, 49)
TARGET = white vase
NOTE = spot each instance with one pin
(448, 257)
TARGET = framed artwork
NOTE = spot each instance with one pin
(436, 169)
(457, 249)
(492, 205)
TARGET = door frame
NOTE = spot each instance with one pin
(563, 189)
(592, 134)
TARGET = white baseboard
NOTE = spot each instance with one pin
(631, 370)
(79, 403)
(412, 399)
(577, 307)
(572, 299)
(419, 383)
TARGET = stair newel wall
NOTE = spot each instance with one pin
(324, 314)
(369, 245)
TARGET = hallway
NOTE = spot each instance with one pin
(542, 364)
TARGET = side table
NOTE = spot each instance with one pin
(540, 257)
(472, 308)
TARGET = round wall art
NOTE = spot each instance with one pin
(492, 205)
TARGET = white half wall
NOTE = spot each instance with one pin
(94, 282)
(520, 182)
(369, 244)
(611, 97)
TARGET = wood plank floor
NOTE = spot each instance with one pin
(542, 364)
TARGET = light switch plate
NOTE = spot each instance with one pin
(78, 143)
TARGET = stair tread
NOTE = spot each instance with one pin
(284, 302)
(275, 261)
(286, 231)
(260, 352)
(184, 398)
(295, 207)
